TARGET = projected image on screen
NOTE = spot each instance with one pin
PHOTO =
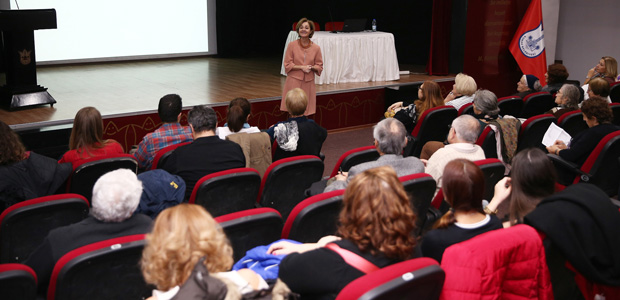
(92, 30)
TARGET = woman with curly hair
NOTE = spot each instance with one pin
(429, 96)
(181, 236)
(26, 175)
(86, 139)
(463, 188)
(376, 223)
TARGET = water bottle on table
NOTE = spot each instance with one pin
(374, 25)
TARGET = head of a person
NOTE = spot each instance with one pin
(181, 235)
(11, 149)
(465, 84)
(87, 129)
(533, 178)
(607, 66)
(596, 111)
(303, 21)
(296, 102)
(116, 196)
(429, 94)
(170, 107)
(598, 87)
(202, 119)
(556, 73)
(464, 129)
(243, 103)
(485, 102)
(390, 136)
(463, 188)
(238, 113)
(568, 96)
(377, 214)
(527, 83)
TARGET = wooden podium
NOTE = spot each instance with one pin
(18, 60)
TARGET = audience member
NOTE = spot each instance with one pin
(429, 96)
(598, 116)
(462, 91)
(25, 174)
(567, 99)
(506, 128)
(597, 87)
(607, 68)
(115, 197)
(298, 135)
(169, 133)
(86, 139)
(238, 114)
(528, 84)
(206, 154)
(555, 77)
(532, 178)
(181, 236)
(463, 187)
(462, 144)
(376, 223)
(390, 139)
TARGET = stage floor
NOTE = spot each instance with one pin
(130, 88)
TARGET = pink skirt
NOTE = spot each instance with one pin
(308, 86)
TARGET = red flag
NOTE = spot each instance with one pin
(527, 46)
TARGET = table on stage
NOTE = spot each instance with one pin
(353, 56)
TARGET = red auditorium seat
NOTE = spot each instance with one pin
(467, 109)
(334, 26)
(537, 103)
(250, 228)
(355, 157)
(533, 130)
(162, 155)
(510, 106)
(227, 191)
(87, 171)
(103, 270)
(487, 142)
(34, 219)
(286, 180)
(493, 170)
(420, 188)
(17, 281)
(314, 218)
(615, 108)
(317, 27)
(418, 278)
(572, 122)
(614, 92)
(432, 125)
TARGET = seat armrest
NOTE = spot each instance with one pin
(615, 202)
(562, 166)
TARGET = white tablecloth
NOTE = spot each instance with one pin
(353, 57)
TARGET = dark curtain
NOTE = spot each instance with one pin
(438, 58)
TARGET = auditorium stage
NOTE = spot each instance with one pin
(127, 93)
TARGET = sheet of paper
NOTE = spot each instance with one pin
(554, 133)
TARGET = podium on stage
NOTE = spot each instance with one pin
(17, 57)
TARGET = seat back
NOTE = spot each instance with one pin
(432, 125)
(286, 180)
(314, 217)
(418, 278)
(511, 105)
(420, 188)
(331, 26)
(487, 142)
(24, 226)
(355, 157)
(614, 92)
(493, 170)
(250, 228)
(615, 108)
(537, 103)
(87, 171)
(602, 164)
(227, 191)
(572, 122)
(162, 155)
(317, 27)
(17, 281)
(533, 130)
(467, 109)
(103, 270)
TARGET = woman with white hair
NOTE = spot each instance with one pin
(567, 99)
(462, 91)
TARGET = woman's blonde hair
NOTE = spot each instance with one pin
(181, 236)
(296, 102)
(465, 84)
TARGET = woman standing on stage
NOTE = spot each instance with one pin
(302, 60)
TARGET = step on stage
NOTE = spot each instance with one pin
(127, 94)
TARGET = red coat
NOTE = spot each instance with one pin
(501, 264)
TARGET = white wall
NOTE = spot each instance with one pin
(587, 30)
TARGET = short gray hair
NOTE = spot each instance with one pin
(467, 128)
(486, 101)
(116, 196)
(390, 134)
(571, 92)
(202, 118)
